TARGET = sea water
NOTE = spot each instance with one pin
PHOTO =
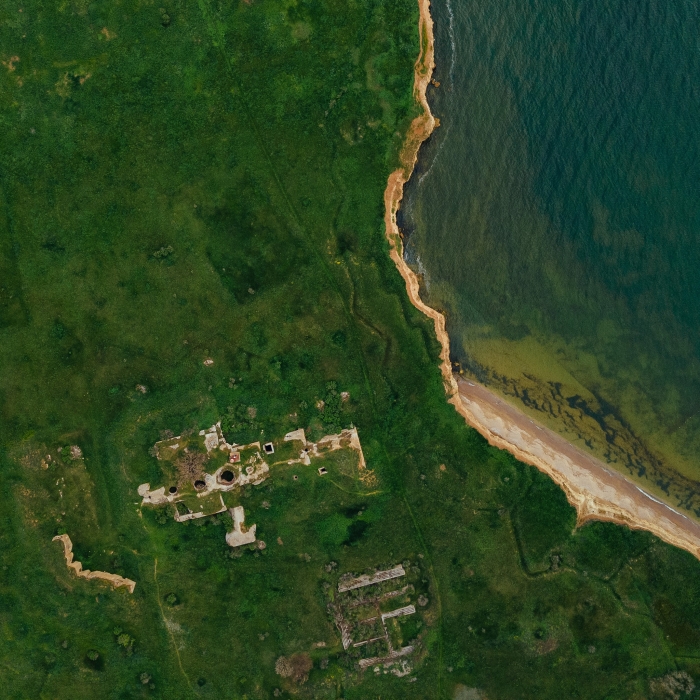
(554, 216)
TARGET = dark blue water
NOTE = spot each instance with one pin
(555, 215)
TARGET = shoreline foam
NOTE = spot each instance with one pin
(596, 492)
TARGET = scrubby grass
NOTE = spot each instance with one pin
(209, 185)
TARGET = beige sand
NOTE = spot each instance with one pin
(113, 579)
(597, 493)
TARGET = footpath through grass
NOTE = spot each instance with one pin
(203, 181)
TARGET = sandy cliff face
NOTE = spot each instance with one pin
(596, 492)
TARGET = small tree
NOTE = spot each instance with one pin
(126, 642)
(190, 466)
(283, 667)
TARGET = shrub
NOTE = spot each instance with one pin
(296, 667)
(125, 641)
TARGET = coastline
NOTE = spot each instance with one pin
(596, 492)
(419, 130)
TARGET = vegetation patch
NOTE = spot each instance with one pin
(191, 231)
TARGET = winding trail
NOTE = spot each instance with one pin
(596, 491)
(168, 626)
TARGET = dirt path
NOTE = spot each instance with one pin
(597, 493)
(168, 624)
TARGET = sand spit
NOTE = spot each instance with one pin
(114, 579)
(596, 492)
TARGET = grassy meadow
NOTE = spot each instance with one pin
(203, 181)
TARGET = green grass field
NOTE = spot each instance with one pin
(204, 181)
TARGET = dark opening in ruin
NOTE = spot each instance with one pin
(199, 484)
(227, 475)
(269, 448)
(173, 489)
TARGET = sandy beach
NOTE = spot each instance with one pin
(596, 491)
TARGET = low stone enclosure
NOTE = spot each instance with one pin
(198, 493)
(367, 611)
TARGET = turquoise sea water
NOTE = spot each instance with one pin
(555, 216)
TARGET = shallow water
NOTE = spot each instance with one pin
(555, 217)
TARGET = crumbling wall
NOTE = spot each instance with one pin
(113, 579)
